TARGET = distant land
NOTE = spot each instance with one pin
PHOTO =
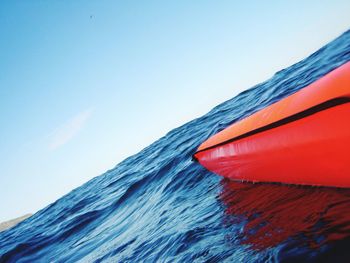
(11, 223)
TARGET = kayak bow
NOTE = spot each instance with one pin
(301, 139)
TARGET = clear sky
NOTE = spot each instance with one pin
(85, 84)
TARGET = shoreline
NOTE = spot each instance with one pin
(13, 222)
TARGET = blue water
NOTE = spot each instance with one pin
(159, 206)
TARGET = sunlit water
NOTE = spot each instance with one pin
(159, 206)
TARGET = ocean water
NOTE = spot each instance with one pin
(160, 206)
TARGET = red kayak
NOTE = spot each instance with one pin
(302, 139)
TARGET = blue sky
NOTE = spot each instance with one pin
(85, 84)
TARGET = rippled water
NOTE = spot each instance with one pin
(158, 205)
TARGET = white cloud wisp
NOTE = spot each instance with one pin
(68, 130)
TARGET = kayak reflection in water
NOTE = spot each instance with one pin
(273, 214)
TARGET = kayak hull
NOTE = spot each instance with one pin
(308, 147)
(312, 151)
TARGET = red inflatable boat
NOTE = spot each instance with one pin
(302, 139)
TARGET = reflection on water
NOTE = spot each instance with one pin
(273, 213)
